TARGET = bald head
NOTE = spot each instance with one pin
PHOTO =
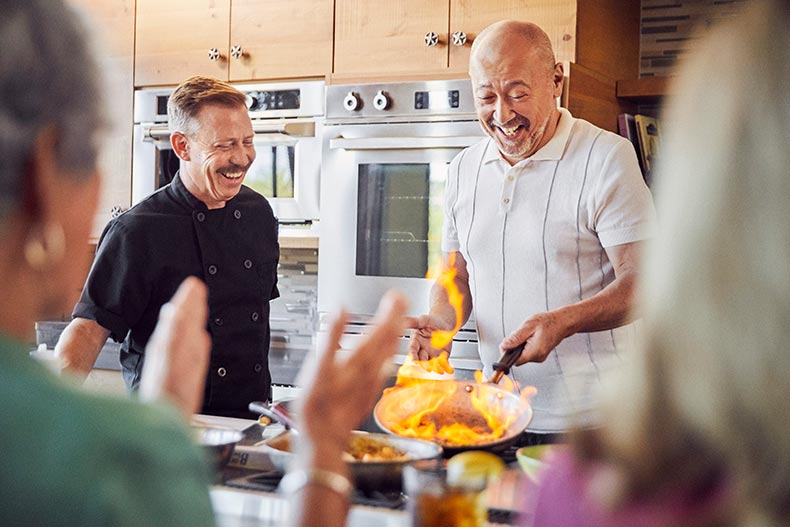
(510, 37)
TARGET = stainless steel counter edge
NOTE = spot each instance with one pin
(246, 508)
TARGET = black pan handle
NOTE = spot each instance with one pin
(506, 361)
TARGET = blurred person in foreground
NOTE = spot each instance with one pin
(70, 457)
(543, 222)
(696, 429)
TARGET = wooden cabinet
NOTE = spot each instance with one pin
(233, 40)
(281, 39)
(397, 33)
(111, 23)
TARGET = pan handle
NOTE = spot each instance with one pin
(506, 361)
(273, 411)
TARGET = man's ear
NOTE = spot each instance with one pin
(180, 145)
(558, 79)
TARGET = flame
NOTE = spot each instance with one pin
(424, 406)
(446, 278)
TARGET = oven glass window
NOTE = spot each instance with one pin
(272, 172)
(399, 218)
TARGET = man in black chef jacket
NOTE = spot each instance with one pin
(204, 224)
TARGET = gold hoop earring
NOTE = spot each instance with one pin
(42, 252)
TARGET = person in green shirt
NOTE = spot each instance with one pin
(68, 457)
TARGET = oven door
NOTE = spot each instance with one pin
(286, 168)
(382, 210)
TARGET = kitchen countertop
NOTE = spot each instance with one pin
(237, 507)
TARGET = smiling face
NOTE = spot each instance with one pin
(515, 87)
(216, 156)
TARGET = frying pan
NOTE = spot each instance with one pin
(369, 477)
(403, 402)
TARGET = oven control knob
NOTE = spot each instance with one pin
(352, 102)
(381, 101)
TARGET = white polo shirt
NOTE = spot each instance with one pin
(533, 236)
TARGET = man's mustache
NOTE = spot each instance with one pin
(234, 168)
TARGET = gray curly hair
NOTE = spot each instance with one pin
(48, 76)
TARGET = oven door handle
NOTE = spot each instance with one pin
(404, 143)
(265, 132)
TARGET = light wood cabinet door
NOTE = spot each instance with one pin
(111, 23)
(556, 17)
(281, 39)
(374, 37)
(174, 39)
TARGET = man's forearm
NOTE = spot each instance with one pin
(440, 303)
(79, 346)
(609, 308)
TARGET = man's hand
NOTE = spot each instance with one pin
(420, 342)
(177, 355)
(542, 333)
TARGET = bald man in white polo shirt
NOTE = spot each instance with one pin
(544, 220)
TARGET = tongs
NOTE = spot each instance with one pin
(274, 411)
(506, 361)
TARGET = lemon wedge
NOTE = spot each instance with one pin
(473, 469)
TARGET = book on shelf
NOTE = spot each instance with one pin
(648, 131)
(626, 126)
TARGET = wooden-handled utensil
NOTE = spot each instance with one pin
(506, 361)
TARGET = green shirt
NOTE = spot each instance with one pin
(71, 458)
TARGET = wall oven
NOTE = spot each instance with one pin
(287, 119)
(386, 152)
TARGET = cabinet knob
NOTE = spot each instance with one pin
(214, 55)
(236, 52)
(459, 38)
(431, 39)
(381, 101)
(117, 210)
(352, 102)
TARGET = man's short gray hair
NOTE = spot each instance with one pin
(48, 77)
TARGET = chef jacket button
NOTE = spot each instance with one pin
(258, 368)
(212, 269)
(237, 214)
(255, 316)
(248, 264)
(200, 216)
(222, 372)
(218, 321)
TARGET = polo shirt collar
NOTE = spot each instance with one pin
(553, 150)
(183, 195)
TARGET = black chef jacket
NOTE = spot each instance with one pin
(143, 256)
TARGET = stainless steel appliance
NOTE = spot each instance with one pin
(287, 119)
(386, 152)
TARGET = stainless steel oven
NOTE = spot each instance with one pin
(287, 119)
(386, 152)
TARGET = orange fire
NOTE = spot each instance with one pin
(427, 405)
(446, 278)
(424, 405)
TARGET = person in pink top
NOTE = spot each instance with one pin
(696, 426)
